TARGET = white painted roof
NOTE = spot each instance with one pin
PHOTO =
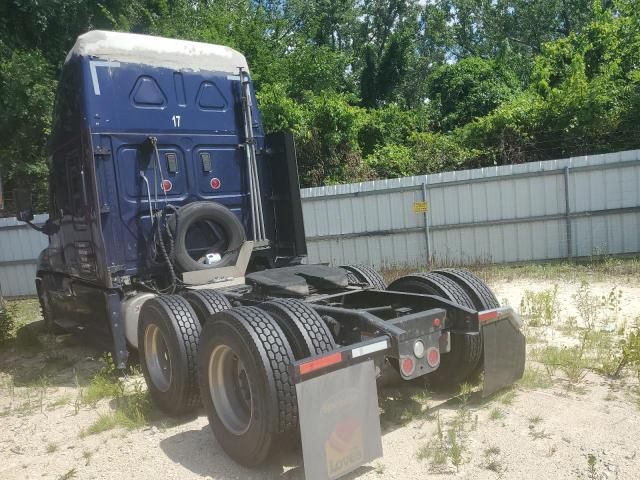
(157, 51)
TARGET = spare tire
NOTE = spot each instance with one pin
(205, 227)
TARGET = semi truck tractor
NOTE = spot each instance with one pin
(175, 231)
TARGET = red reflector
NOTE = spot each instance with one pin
(167, 185)
(437, 322)
(487, 315)
(322, 362)
(215, 183)
(407, 366)
(433, 357)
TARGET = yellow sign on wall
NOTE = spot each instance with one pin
(420, 207)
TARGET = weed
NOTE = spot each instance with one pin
(535, 378)
(64, 400)
(588, 305)
(51, 447)
(105, 384)
(592, 470)
(7, 320)
(568, 359)
(535, 420)
(398, 408)
(132, 410)
(68, 475)
(537, 434)
(496, 414)
(492, 451)
(630, 351)
(552, 451)
(456, 448)
(464, 393)
(540, 308)
(492, 462)
(507, 397)
(447, 449)
(87, 454)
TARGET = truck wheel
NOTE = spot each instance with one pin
(466, 350)
(481, 295)
(47, 309)
(206, 302)
(305, 330)
(358, 274)
(168, 334)
(243, 364)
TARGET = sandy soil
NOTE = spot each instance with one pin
(544, 432)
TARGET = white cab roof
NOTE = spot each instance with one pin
(158, 52)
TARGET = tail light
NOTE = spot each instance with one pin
(433, 357)
(407, 365)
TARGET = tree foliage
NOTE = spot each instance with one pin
(371, 88)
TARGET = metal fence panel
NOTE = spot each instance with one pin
(19, 249)
(496, 214)
(510, 213)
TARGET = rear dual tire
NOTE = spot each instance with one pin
(466, 350)
(364, 275)
(250, 399)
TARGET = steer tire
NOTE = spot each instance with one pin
(168, 335)
(466, 350)
(187, 216)
(206, 302)
(305, 330)
(248, 394)
(481, 295)
(359, 274)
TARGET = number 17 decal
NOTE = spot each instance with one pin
(176, 121)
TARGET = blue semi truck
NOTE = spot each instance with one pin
(175, 230)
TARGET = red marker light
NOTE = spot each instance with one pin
(215, 183)
(433, 357)
(407, 366)
(487, 315)
(321, 362)
(167, 186)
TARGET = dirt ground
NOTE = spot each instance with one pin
(548, 426)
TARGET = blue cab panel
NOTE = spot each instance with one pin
(110, 102)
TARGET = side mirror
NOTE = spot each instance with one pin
(24, 207)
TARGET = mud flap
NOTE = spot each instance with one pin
(504, 350)
(339, 421)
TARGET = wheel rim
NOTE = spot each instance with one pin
(157, 358)
(230, 390)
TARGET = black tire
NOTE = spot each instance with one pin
(481, 295)
(219, 215)
(48, 313)
(358, 274)
(466, 351)
(206, 302)
(171, 317)
(305, 330)
(248, 429)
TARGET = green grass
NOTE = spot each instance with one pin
(13, 317)
(535, 378)
(496, 414)
(51, 447)
(73, 473)
(132, 410)
(540, 308)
